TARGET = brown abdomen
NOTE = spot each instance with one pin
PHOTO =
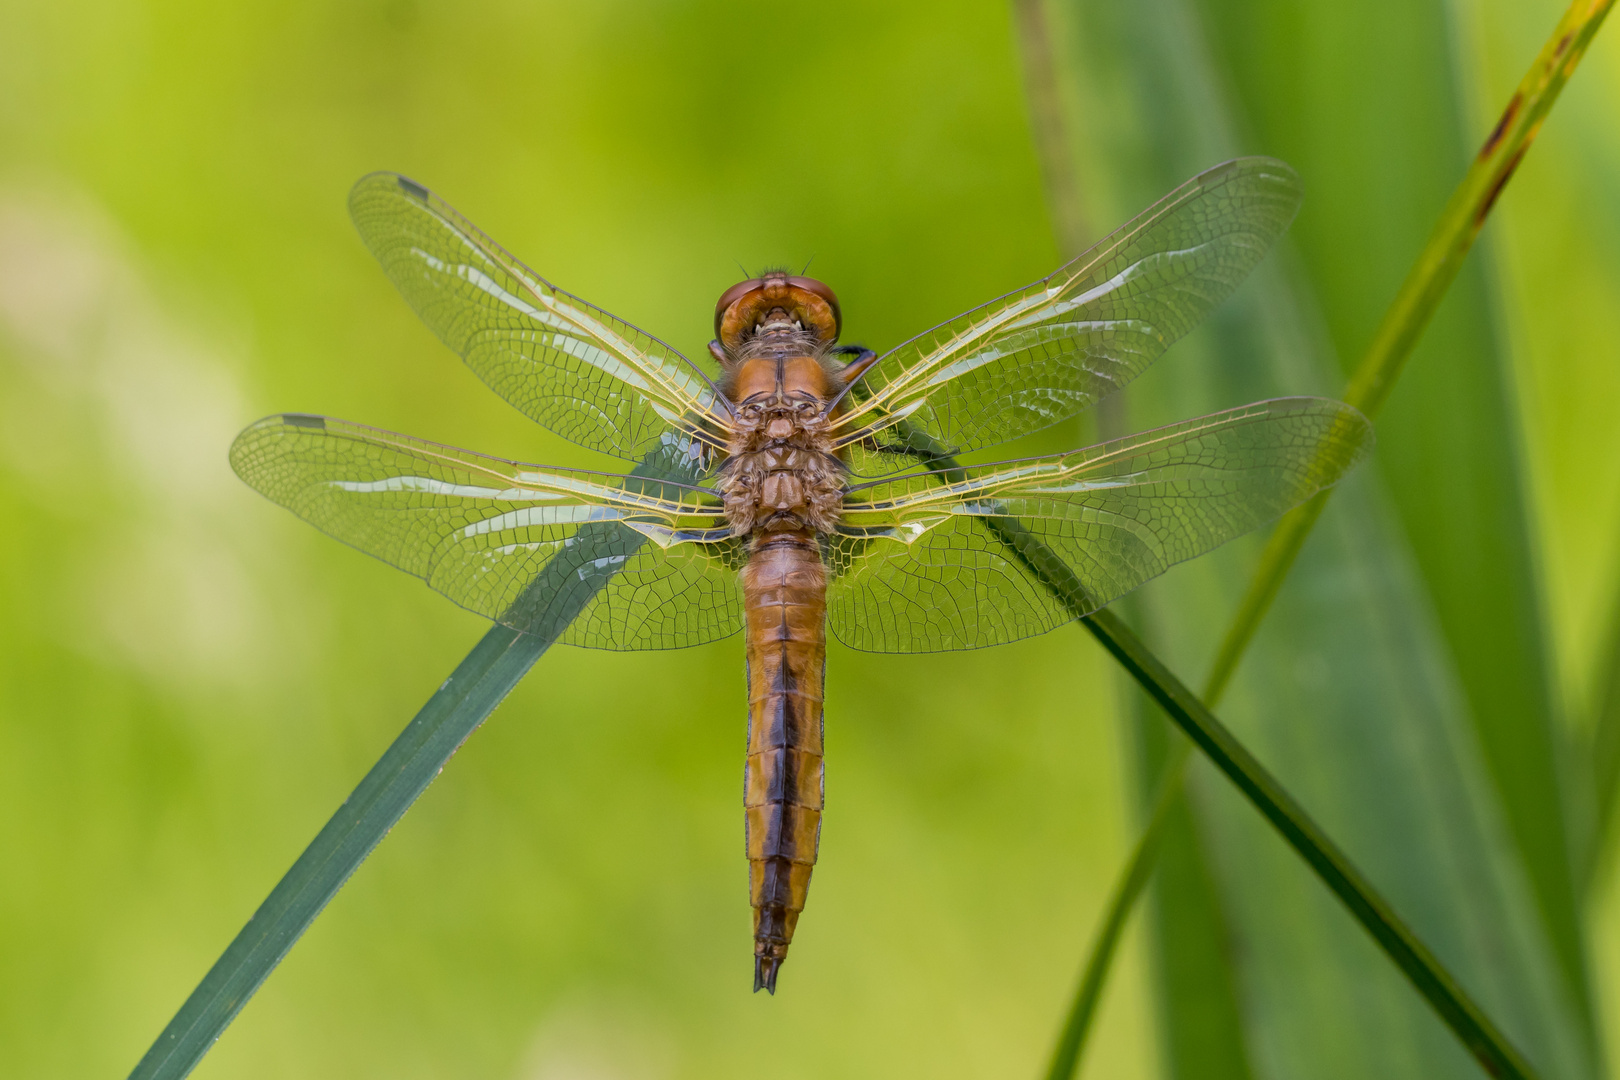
(785, 594)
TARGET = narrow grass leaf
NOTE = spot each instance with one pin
(1139, 868)
(1451, 463)
(1604, 755)
(1431, 275)
(404, 771)
(479, 683)
(1158, 86)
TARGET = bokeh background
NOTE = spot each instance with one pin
(191, 680)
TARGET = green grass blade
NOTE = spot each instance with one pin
(1470, 1023)
(404, 771)
(1428, 281)
(1455, 1007)
(1431, 275)
(1139, 868)
(1148, 62)
(1604, 750)
(1452, 466)
(479, 683)
(1194, 981)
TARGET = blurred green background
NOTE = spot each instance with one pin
(191, 680)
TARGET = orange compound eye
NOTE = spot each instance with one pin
(811, 302)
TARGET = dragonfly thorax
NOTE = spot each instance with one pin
(781, 475)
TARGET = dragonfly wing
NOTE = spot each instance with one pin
(571, 367)
(964, 558)
(623, 562)
(1042, 354)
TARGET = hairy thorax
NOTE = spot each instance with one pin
(782, 475)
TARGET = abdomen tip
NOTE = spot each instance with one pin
(765, 969)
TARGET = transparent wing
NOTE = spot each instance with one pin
(1044, 353)
(571, 367)
(624, 562)
(962, 558)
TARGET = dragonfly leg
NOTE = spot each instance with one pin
(854, 369)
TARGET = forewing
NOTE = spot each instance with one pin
(976, 556)
(1042, 354)
(626, 562)
(571, 367)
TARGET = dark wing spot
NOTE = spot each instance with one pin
(413, 189)
(298, 419)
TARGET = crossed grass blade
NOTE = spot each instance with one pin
(1437, 266)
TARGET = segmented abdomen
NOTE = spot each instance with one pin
(785, 595)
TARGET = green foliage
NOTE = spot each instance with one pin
(400, 776)
(179, 721)
(192, 682)
(1518, 740)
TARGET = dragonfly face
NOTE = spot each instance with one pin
(772, 303)
(793, 493)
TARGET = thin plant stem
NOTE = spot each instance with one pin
(1041, 89)
(1066, 1055)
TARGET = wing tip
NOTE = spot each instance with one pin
(251, 439)
(1353, 425)
(1280, 179)
(1260, 164)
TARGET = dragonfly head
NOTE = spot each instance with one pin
(774, 332)
(776, 304)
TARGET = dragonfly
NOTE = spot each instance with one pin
(799, 486)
